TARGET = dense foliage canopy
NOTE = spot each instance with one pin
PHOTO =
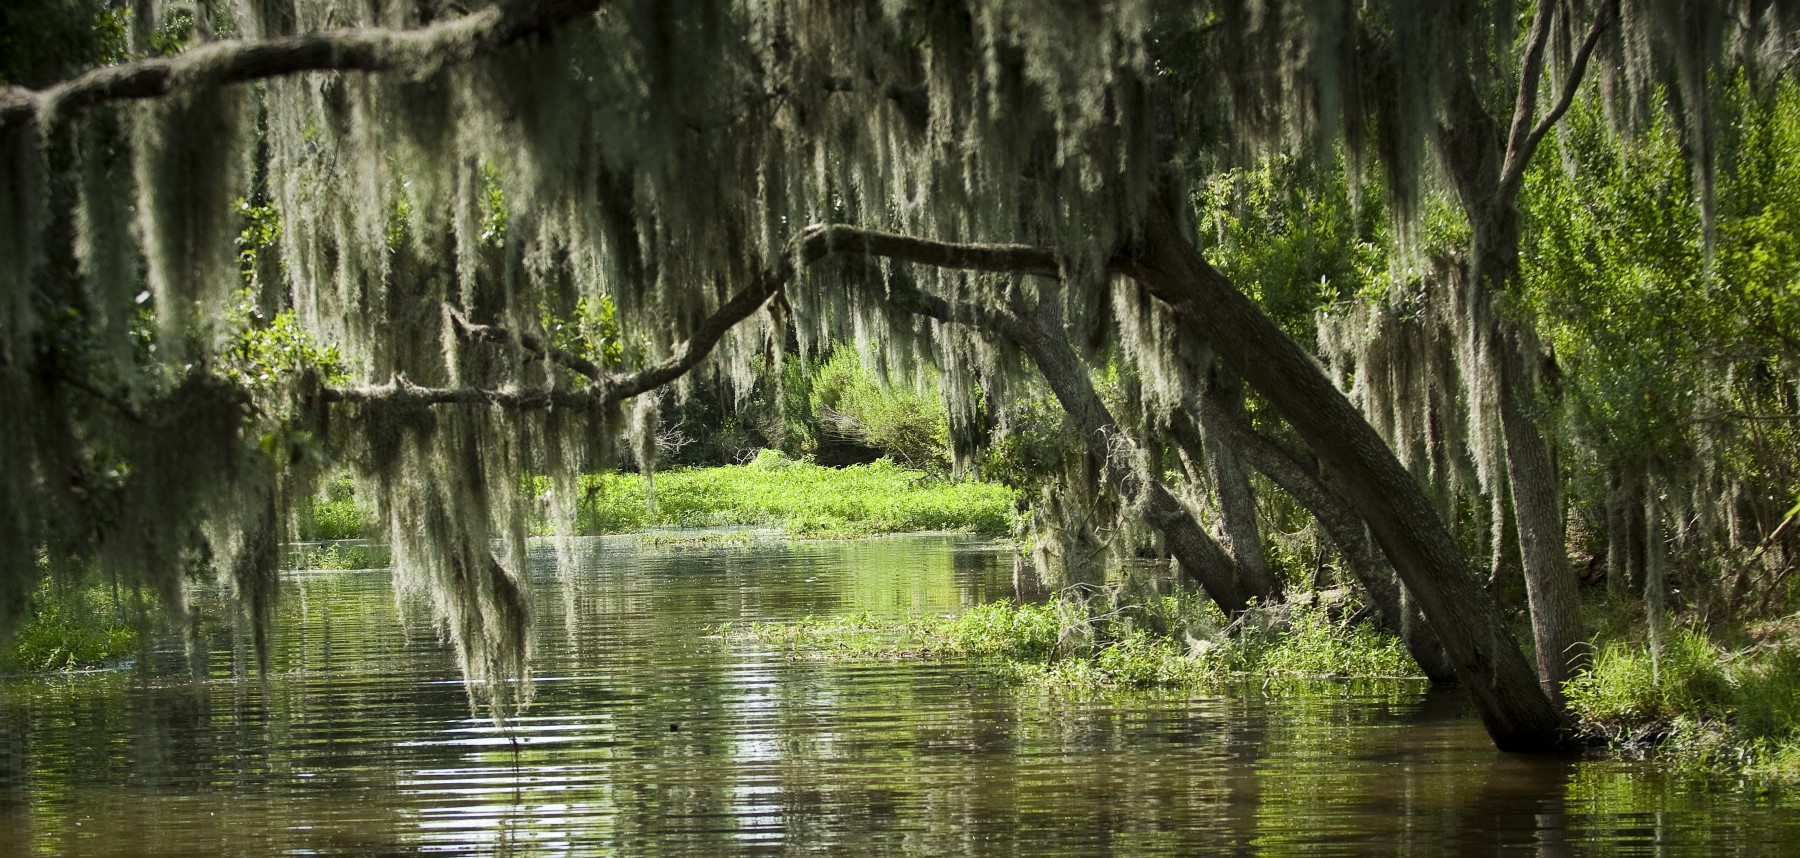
(449, 246)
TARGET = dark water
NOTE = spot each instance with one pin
(648, 737)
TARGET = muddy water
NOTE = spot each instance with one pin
(649, 737)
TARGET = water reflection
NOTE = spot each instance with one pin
(649, 737)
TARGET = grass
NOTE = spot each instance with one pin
(799, 497)
(1161, 643)
(1696, 704)
(75, 628)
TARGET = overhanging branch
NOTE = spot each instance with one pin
(449, 42)
(812, 244)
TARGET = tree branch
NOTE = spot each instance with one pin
(1519, 149)
(1531, 69)
(812, 244)
(399, 389)
(452, 41)
(531, 343)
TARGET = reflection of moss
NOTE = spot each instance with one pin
(72, 629)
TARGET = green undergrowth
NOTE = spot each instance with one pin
(1160, 643)
(339, 556)
(723, 539)
(1697, 704)
(796, 497)
(78, 627)
(336, 514)
(801, 498)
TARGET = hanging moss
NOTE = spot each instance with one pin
(664, 155)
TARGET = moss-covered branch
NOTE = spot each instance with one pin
(334, 50)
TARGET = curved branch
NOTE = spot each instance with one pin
(813, 243)
(1519, 149)
(399, 389)
(225, 62)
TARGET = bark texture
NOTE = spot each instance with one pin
(1513, 707)
(1343, 526)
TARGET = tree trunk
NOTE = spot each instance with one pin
(1513, 707)
(1345, 529)
(1237, 502)
(1201, 558)
(1475, 148)
(1551, 588)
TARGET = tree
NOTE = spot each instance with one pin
(991, 187)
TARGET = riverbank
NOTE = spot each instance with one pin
(1697, 705)
(797, 497)
(1165, 642)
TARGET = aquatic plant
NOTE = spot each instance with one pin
(1166, 642)
(802, 498)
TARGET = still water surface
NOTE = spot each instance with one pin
(650, 737)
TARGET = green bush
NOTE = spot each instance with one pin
(71, 629)
(909, 425)
(336, 514)
(1705, 707)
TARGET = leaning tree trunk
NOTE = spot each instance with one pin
(1237, 501)
(1042, 337)
(1342, 525)
(1513, 707)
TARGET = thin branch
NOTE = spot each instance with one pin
(116, 402)
(994, 258)
(1518, 152)
(1531, 69)
(452, 41)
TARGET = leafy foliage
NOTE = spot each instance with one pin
(909, 424)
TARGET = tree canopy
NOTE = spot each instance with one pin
(245, 242)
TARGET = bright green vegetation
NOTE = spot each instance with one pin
(1165, 642)
(79, 628)
(799, 497)
(909, 425)
(336, 514)
(802, 498)
(1701, 705)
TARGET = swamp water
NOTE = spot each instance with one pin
(648, 737)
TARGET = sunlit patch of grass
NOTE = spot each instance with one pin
(721, 539)
(801, 498)
(1166, 642)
